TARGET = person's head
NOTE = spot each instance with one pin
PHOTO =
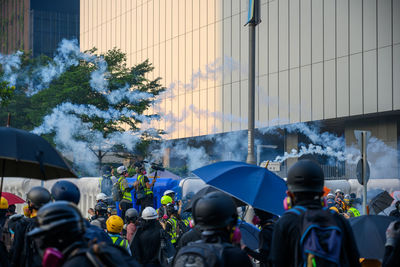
(339, 193)
(215, 211)
(100, 209)
(60, 225)
(131, 215)
(121, 170)
(106, 170)
(165, 200)
(170, 193)
(330, 196)
(171, 210)
(347, 200)
(114, 224)
(149, 214)
(264, 216)
(101, 197)
(3, 206)
(305, 181)
(37, 197)
(11, 209)
(66, 190)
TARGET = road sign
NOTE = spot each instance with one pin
(359, 172)
(271, 166)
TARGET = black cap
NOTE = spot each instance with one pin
(305, 176)
(213, 211)
(38, 196)
(66, 190)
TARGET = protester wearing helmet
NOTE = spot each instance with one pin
(67, 191)
(351, 211)
(126, 202)
(5, 236)
(114, 229)
(105, 182)
(101, 216)
(60, 234)
(25, 251)
(170, 193)
(131, 217)
(162, 211)
(145, 245)
(143, 187)
(305, 182)
(101, 197)
(171, 226)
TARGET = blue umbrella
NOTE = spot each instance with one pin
(254, 185)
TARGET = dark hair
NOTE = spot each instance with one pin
(11, 208)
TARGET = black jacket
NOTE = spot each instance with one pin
(145, 244)
(286, 239)
(192, 235)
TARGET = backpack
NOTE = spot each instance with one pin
(201, 254)
(106, 185)
(167, 251)
(30, 255)
(116, 191)
(321, 237)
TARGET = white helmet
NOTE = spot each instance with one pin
(167, 192)
(121, 169)
(338, 191)
(101, 196)
(149, 213)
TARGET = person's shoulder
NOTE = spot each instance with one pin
(234, 256)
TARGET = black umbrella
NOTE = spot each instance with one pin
(23, 154)
(370, 234)
(380, 202)
(208, 189)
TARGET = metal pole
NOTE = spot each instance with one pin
(364, 170)
(252, 77)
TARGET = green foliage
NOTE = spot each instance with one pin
(6, 93)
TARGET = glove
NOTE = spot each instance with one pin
(392, 233)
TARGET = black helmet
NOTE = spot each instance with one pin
(131, 215)
(60, 224)
(106, 170)
(101, 208)
(38, 196)
(214, 211)
(305, 176)
(66, 190)
(171, 209)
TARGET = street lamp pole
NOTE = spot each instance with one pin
(253, 21)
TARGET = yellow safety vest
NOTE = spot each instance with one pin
(174, 231)
(126, 194)
(119, 241)
(354, 211)
(141, 181)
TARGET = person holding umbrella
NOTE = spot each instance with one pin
(308, 222)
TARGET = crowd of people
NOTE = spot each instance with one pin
(314, 231)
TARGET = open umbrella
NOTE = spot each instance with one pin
(24, 154)
(250, 234)
(380, 202)
(253, 185)
(12, 199)
(370, 234)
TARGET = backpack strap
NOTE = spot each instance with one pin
(298, 210)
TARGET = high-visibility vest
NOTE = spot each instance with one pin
(354, 211)
(125, 193)
(143, 184)
(174, 231)
(119, 241)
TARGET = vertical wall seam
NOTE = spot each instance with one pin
(362, 56)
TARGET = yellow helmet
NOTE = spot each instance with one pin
(114, 224)
(3, 204)
(334, 209)
(166, 200)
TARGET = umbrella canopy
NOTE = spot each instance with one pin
(250, 234)
(28, 155)
(12, 199)
(208, 189)
(253, 185)
(380, 202)
(370, 234)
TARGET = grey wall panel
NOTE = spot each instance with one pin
(227, 8)
(283, 31)
(317, 91)
(396, 21)
(219, 10)
(355, 26)
(244, 47)
(273, 97)
(370, 82)
(227, 48)
(305, 93)
(329, 90)
(236, 122)
(203, 55)
(294, 92)
(342, 28)
(384, 23)
(196, 115)
(236, 47)
(317, 30)
(218, 108)
(370, 24)
(305, 29)
(294, 33)
(396, 76)
(329, 29)
(219, 47)
(244, 103)
(211, 110)
(227, 107)
(356, 94)
(262, 41)
(384, 79)
(263, 100)
(284, 95)
(273, 37)
(204, 113)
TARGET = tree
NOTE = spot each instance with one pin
(6, 93)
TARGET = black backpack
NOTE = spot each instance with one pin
(106, 185)
(321, 237)
(30, 255)
(201, 254)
